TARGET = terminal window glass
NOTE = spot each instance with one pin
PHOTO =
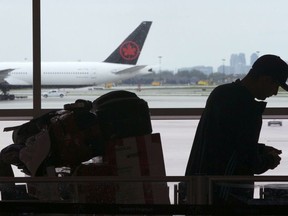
(190, 48)
(16, 54)
(177, 139)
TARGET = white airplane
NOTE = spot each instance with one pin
(120, 65)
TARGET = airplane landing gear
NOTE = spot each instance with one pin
(5, 95)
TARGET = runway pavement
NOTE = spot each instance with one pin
(172, 97)
(152, 100)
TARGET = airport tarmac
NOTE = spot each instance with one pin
(155, 97)
(172, 97)
(152, 100)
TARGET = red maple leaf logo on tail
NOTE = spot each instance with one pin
(129, 50)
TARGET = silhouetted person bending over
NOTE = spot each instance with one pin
(226, 140)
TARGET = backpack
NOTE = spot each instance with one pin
(22, 132)
(122, 114)
(71, 136)
(75, 138)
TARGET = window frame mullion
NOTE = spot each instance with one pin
(36, 16)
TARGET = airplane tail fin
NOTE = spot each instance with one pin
(129, 50)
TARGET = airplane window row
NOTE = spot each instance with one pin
(54, 72)
(18, 72)
(64, 72)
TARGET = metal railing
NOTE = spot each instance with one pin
(199, 195)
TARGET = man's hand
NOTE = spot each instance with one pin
(276, 160)
(270, 149)
(273, 155)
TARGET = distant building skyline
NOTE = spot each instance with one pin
(237, 65)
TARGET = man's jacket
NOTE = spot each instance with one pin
(226, 140)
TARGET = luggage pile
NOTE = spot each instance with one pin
(77, 133)
(116, 128)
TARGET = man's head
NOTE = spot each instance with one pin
(273, 66)
(271, 72)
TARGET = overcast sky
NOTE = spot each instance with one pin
(184, 32)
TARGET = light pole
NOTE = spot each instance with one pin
(160, 62)
(223, 60)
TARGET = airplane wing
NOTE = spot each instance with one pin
(4, 74)
(130, 70)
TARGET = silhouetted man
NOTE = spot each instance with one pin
(226, 140)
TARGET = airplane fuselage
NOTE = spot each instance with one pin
(121, 64)
(70, 73)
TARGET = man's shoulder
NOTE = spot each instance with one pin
(228, 87)
(228, 92)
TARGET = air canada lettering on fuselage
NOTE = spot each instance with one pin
(120, 65)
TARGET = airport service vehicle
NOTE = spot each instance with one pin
(274, 123)
(54, 93)
(120, 65)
